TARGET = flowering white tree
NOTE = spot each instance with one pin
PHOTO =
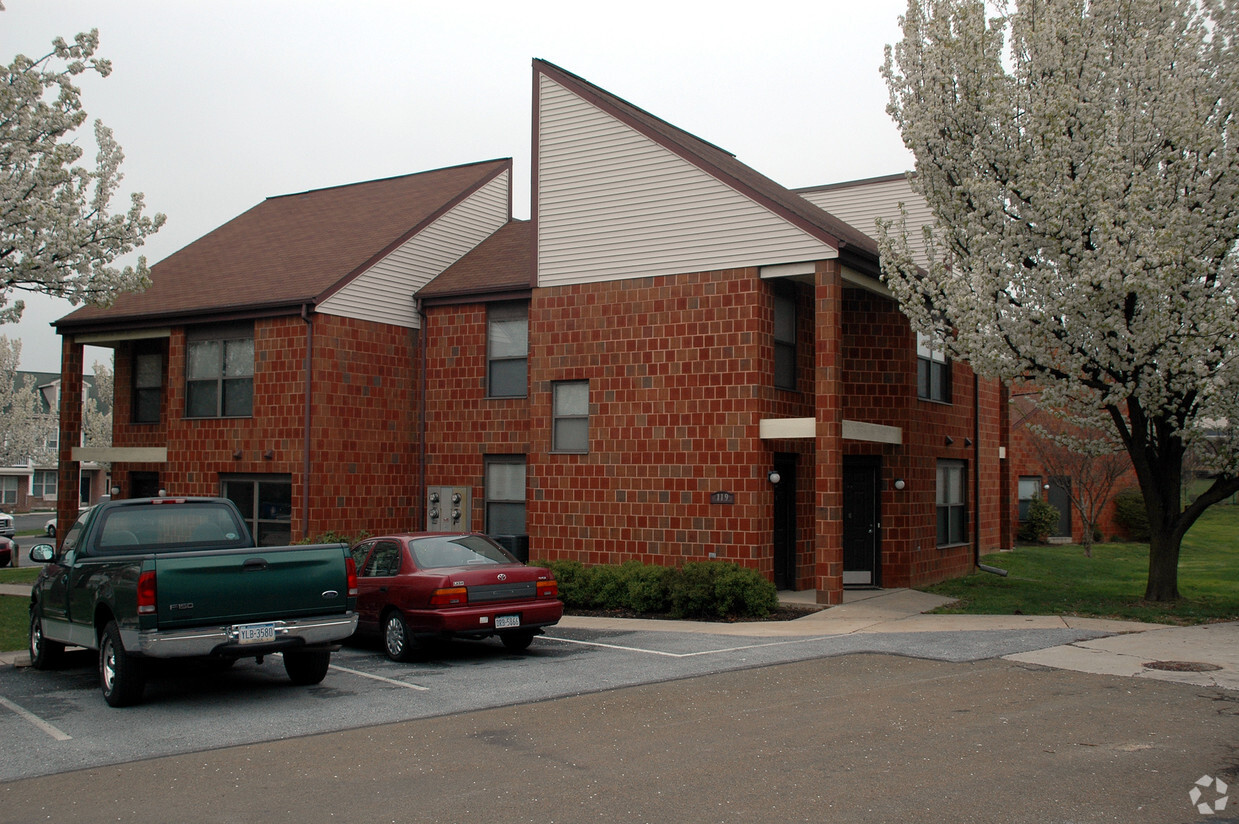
(1081, 158)
(57, 235)
(97, 408)
(25, 429)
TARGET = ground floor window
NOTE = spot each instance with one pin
(43, 484)
(266, 504)
(505, 495)
(952, 504)
(8, 490)
(1030, 490)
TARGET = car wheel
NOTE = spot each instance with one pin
(44, 654)
(51, 531)
(121, 676)
(307, 667)
(517, 641)
(398, 643)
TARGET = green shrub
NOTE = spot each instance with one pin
(710, 589)
(333, 537)
(1130, 514)
(1042, 518)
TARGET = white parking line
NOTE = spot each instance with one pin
(688, 654)
(392, 681)
(36, 721)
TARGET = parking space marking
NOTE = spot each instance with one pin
(374, 677)
(688, 654)
(36, 720)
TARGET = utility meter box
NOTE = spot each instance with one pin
(447, 509)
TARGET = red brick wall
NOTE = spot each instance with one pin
(363, 411)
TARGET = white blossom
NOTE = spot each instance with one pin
(57, 235)
(1081, 160)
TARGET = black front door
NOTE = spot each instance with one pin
(785, 521)
(1060, 499)
(860, 521)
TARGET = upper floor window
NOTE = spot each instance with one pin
(784, 339)
(933, 370)
(952, 504)
(507, 349)
(570, 428)
(147, 383)
(219, 372)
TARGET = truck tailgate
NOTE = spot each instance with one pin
(263, 583)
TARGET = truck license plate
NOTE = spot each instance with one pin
(507, 621)
(255, 633)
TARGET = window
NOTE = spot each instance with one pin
(933, 370)
(952, 505)
(8, 490)
(505, 495)
(1030, 490)
(148, 383)
(43, 484)
(384, 561)
(219, 373)
(784, 339)
(507, 350)
(570, 428)
(266, 505)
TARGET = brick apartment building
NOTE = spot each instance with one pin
(674, 359)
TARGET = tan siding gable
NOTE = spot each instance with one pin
(614, 204)
(384, 292)
(860, 204)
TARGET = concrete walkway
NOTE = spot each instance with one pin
(1206, 655)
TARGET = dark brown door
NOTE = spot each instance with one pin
(785, 521)
(860, 521)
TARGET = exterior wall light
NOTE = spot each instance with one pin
(774, 477)
(899, 484)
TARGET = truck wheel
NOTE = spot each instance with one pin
(44, 654)
(121, 676)
(307, 667)
(398, 642)
(517, 641)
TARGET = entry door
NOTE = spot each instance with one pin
(860, 521)
(1060, 499)
(785, 521)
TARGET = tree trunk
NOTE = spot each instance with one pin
(1163, 582)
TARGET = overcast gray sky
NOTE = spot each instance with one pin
(220, 104)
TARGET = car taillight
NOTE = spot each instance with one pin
(449, 596)
(548, 589)
(146, 593)
(351, 566)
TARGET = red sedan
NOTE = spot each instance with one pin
(422, 586)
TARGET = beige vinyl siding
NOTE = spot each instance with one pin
(614, 204)
(384, 292)
(860, 204)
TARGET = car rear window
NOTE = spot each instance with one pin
(462, 550)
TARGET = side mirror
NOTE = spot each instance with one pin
(42, 553)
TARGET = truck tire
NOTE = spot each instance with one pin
(121, 676)
(44, 654)
(307, 667)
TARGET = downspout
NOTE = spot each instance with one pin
(976, 480)
(309, 385)
(424, 359)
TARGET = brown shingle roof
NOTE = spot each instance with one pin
(501, 263)
(290, 250)
(725, 166)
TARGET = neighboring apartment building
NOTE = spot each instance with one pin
(33, 484)
(675, 359)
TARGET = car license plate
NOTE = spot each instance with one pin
(507, 621)
(255, 633)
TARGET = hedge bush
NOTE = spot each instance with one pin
(1042, 518)
(1130, 515)
(706, 589)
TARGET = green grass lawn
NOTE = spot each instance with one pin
(1059, 580)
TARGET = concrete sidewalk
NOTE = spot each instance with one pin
(1206, 655)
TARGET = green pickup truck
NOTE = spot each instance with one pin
(157, 578)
